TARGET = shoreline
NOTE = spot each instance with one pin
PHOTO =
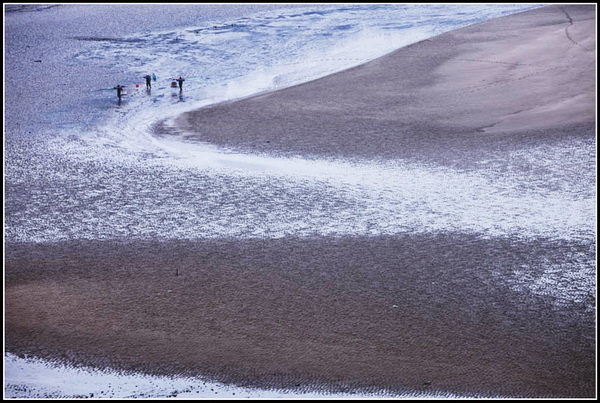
(441, 312)
(466, 85)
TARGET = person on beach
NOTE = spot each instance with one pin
(180, 80)
(119, 89)
(148, 78)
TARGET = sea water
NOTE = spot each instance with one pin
(80, 164)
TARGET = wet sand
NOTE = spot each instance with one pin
(398, 313)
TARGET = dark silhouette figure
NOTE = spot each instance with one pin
(119, 89)
(180, 80)
(148, 78)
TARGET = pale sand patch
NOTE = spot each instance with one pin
(511, 77)
(556, 112)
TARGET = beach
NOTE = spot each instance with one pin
(512, 77)
(510, 101)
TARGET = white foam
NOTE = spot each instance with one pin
(29, 378)
(367, 198)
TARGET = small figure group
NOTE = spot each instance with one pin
(149, 78)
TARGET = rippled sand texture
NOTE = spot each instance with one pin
(411, 286)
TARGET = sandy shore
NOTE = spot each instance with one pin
(397, 313)
(515, 77)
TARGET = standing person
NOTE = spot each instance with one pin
(119, 89)
(148, 78)
(180, 80)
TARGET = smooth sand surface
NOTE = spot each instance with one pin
(400, 313)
